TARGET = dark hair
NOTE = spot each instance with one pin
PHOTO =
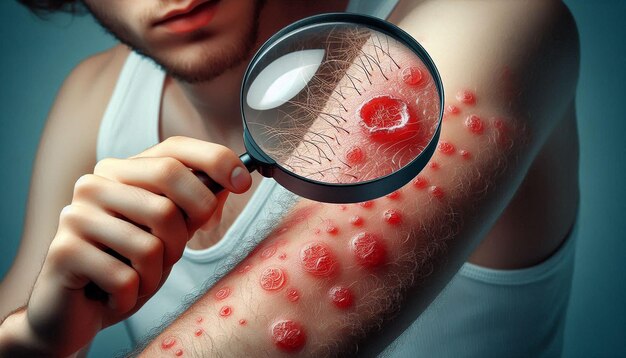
(42, 7)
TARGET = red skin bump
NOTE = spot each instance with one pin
(367, 204)
(226, 311)
(452, 110)
(474, 124)
(355, 155)
(434, 165)
(288, 336)
(293, 295)
(273, 279)
(446, 148)
(466, 96)
(388, 119)
(168, 343)
(356, 220)
(368, 249)
(242, 322)
(199, 320)
(179, 353)
(318, 260)
(465, 154)
(198, 332)
(331, 229)
(412, 76)
(394, 195)
(268, 252)
(343, 207)
(392, 217)
(222, 293)
(437, 192)
(341, 297)
(282, 256)
(420, 182)
(244, 269)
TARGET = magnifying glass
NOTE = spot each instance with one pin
(341, 108)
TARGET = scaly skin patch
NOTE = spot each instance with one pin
(222, 293)
(341, 297)
(273, 279)
(369, 250)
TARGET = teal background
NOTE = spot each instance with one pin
(36, 56)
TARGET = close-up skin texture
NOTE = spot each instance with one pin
(328, 279)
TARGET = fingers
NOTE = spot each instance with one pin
(143, 250)
(217, 161)
(79, 262)
(166, 176)
(155, 213)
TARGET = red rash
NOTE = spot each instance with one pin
(341, 297)
(446, 148)
(222, 293)
(293, 295)
(198, 332)
(355, 155)
(393, 217)
(467, 97)
(282, 256)
(288, 336)
(356, 220)
(168, 343)
(465, 154)
(394, 195)
(226, 311)
(273, 279)
(434, 165)
(318, 260)
(179, 353)
(199, 320)
(436, 191)
(244, 269)
(331, 229)
(367, 204)
(242, 322)
(452, 109)
(412, 76)
(420, 183)
(388, 119)
(268, 252)
(474, 124)
(368, 249)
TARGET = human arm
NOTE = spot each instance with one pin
(472, 46)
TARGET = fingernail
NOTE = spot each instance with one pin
(239, 178)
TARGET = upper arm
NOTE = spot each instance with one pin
(520, 61)
(66, 151)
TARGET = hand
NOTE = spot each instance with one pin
(128, 223)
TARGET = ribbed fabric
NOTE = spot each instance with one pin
(481, 313)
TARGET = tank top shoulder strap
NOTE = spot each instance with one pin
(131, 120)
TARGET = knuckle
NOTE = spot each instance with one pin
(126, 279)
(169, 169)
(151, 250)
(71, 216)
(85, 186)
(174, 140)
(165, 210)
(222, 154)
(103, 164)
(61, 249)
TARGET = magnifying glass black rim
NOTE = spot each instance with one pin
(348, 192)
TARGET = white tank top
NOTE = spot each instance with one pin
(481, 312)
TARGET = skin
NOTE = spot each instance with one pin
(494, 207)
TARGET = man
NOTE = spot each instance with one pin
(498, 192)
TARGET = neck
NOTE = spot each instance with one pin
(218, 99)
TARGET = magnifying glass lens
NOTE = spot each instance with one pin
(341, 103)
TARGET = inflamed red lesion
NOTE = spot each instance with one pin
(335, 260)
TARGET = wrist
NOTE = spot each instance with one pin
(17, 339)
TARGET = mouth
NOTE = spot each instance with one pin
(195, 16)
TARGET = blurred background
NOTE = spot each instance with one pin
(36, 56)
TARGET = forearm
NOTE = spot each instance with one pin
(375, 251)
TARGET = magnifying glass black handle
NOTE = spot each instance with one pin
(247, 160)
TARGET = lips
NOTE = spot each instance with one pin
(195, 16)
